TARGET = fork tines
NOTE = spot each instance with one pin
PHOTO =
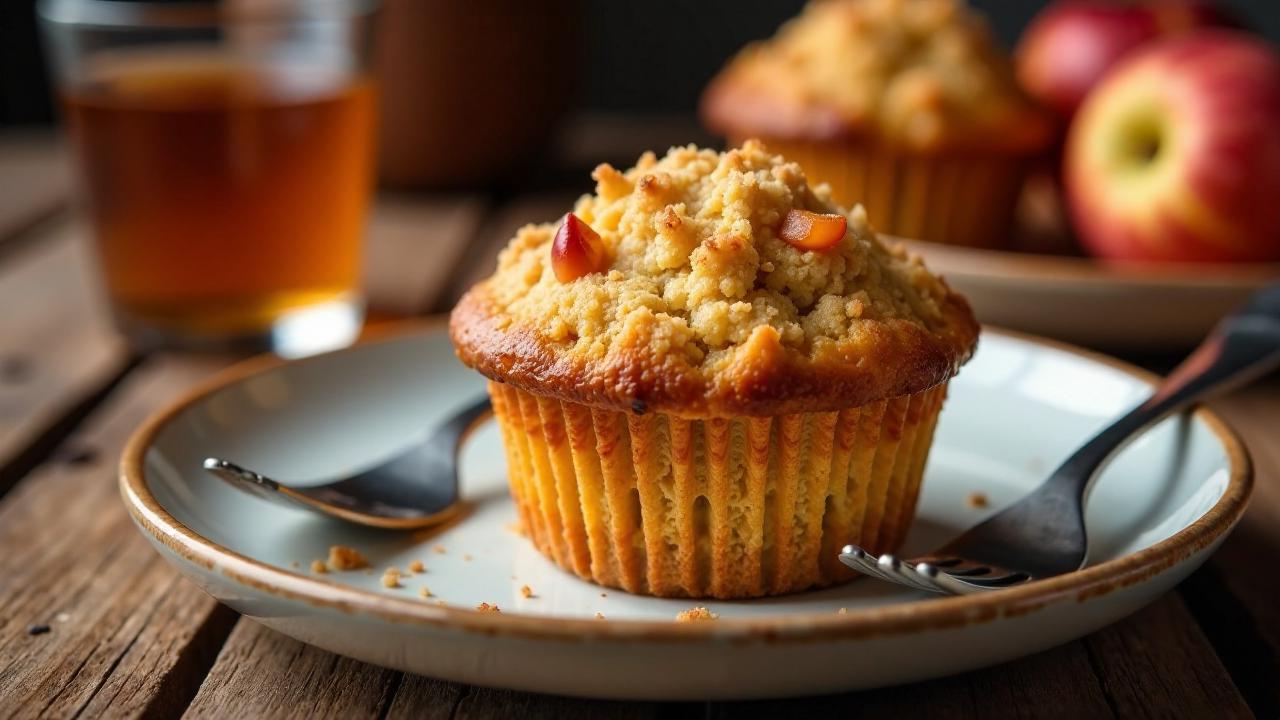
(947, 575)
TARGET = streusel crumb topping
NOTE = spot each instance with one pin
(922, 73)
(697, 262)
(702, 304)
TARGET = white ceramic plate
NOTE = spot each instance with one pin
(1014, 412)
(1131, 307)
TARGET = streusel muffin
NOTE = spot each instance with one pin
(905, 106)
(709, 377)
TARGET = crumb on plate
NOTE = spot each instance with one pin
(466, 557)
(976, 499)
(599, 616)
(425, 591)
(416, 566)
(696, 614)
(439, 550)
(525, 591)
(342, 557)
(318, 566)
(486, 607)
(391, 577)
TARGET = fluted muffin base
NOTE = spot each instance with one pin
(724, 508)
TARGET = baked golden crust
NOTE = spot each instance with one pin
(705, 311)
(923, 75)
(900, 359)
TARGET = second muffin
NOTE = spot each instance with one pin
(905, 106)
(727, 379)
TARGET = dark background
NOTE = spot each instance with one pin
(651, 56)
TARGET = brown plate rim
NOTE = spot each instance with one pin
(893, 619)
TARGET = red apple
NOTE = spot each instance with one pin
(1071, 43)
(1175, 156)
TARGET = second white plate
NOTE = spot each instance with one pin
(1129, 307)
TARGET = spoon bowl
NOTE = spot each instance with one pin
(414, 489)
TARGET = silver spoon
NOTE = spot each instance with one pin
(1043, 534)
(414, 489)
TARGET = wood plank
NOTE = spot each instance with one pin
(125, 633)
(483, 703)
(1159, 664)
(492, 237)
(36, 178)
(420, 698)
(1061, 679)
(1236, 596)
(57, 347)
(414, 246)
(261, 673)
(1153, 664)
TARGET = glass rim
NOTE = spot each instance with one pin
(127, 14)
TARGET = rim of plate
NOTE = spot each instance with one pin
(1039, 267)
(893, 619)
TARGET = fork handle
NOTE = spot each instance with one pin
(1242, 347)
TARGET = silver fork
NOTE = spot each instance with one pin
(1043, 534)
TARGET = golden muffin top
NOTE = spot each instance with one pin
(925, 75)
(706, 304)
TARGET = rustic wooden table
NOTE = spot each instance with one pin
(127, 636)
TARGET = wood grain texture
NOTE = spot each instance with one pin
(1236, 596)
(1154, 664)
(484, 703)
(56, 344)
(414, 246)
(1056, 683)
(261, 673)
(419, 698)
(126, 634)
(35, 180)
(1159, 664)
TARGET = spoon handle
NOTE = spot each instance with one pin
(1242, 347)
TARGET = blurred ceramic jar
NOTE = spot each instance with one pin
(471, 90)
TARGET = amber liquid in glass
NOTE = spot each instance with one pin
(223, 194)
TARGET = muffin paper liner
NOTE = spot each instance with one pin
(955, 199)
(726, 508)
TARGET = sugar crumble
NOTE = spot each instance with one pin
(342, 557)
(391, 578)
(696, 614)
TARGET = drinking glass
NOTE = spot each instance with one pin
(225, 152)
